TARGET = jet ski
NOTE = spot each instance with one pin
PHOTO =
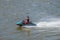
(26, 22)
(29, 24)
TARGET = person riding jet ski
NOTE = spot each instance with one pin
(26, 20)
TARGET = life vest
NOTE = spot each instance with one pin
(24, 22)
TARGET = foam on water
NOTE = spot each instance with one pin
(29, 26)
(49, 24)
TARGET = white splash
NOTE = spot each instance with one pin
(49, 24)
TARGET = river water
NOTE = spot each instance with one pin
(45, 13)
